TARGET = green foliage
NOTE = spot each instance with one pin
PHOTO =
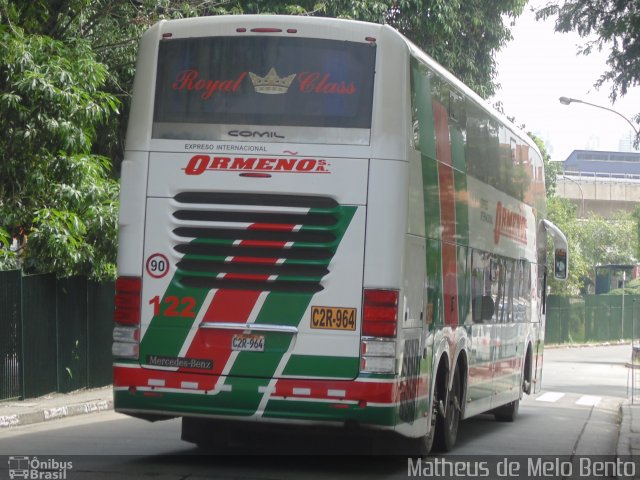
(51, 184)
(563, 214)
(612, 24)
(632, 287)
(463, 35)
(636, 218)
(592, 241)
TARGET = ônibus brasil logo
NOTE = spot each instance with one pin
(202, 163)
(38, 469)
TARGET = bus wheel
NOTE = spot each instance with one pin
(423, 445)
(447, 423)
(508, 412)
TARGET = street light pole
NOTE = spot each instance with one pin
(581, 192)
(568, 100)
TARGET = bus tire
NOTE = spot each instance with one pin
(508, 412)
(422, 446)
(527, 374)
(447, 424)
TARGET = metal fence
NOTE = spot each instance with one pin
(55, 334)
(591, 318)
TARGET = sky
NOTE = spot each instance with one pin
(537, 67)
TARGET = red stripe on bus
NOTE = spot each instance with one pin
(443, 139)
(447, 215)
(484, 372)
(247, 276)
(262, 243)
(354, 391)
(268, 261)
(140, 377)
(372, 392)
(275, 227)
(229, 306)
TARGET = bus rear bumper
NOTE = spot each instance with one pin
(156, 393)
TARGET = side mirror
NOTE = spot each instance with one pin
(560, 264)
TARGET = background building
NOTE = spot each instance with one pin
(600, 182)
(626, 143)
(587, 162)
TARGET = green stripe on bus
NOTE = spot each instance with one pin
(433, 232)
(462, 233)
(279, 309)
(321, 366)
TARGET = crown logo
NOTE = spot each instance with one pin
(271, 83)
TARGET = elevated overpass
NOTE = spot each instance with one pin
(600, 193)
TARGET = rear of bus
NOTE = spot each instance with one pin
(257, 273)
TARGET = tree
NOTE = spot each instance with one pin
(51, 185)
(592, 241)
(604, 24)
(462, 35)
(636, 218)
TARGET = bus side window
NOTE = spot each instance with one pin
(482, 308)
(477, 276)
(511, 286)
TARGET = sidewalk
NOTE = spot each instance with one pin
(54, 406)
(629, 440)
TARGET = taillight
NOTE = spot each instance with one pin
(380, 313)
(126, 333)
(379, 327)
(127, 301)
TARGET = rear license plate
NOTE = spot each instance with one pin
(247, 343)
(333, 318)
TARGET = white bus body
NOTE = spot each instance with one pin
(320, 225)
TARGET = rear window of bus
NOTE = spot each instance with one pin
(265, 81)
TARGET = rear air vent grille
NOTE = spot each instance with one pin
(255, 242)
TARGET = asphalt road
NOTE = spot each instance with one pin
(576, 413)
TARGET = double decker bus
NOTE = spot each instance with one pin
(321, 226)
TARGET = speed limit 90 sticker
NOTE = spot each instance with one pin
(157, 265)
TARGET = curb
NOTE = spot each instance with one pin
(44, 415)
(623, 448)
